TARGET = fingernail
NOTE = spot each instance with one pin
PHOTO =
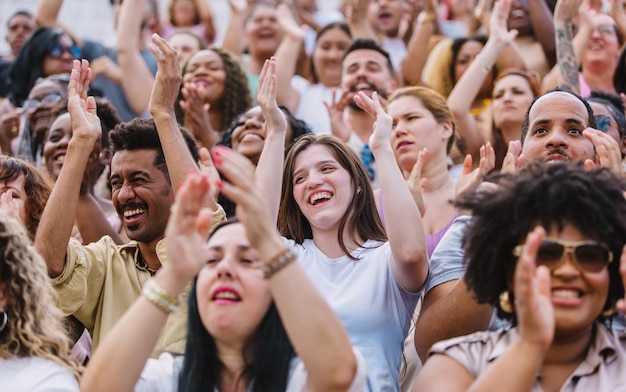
(219, 184)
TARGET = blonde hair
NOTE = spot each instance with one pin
(34, 327)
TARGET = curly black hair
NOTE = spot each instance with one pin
(554, 194)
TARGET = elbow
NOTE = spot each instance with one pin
(342, 376)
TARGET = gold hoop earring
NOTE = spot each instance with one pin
(505, 302)
(609, 312)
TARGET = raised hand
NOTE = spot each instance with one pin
(336, 108)
(415, 181)
(10, 205)
(266, 98)
(381, 137)
(188, 228)
(470, 179)
(514, 159)
(243, 190)
(533, 303)
(288, 22)
(85, 121)
(608, 153)
(498, 22)
(168, 77)
(197, 116)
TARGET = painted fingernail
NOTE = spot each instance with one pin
(219, 184)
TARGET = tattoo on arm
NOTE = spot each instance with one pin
(566, 59)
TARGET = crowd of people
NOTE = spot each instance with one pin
(393, 196)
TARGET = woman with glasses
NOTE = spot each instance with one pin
(48, 52)
(587, 61)
(545, 248)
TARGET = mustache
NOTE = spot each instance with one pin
(557, 151)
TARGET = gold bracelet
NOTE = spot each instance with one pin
(155, 294)
(278, 262)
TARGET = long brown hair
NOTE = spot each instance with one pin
(361, 217)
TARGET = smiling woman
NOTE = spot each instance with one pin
(554, 272)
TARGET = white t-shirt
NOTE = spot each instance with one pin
(311, 108)
(35, 375)
(375, 311)
(161, 375)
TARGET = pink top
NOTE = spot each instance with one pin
(168, 30)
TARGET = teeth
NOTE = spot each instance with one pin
(565, 294)
(226, 295)
(363, 86)
(129, 213)
(61, 158)
(319, 196)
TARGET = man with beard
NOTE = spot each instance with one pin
(366, 67)
(97, 283)
(557, 128)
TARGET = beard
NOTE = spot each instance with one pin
(380, 91)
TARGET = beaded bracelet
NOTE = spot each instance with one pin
(155, 294)
(278, 262)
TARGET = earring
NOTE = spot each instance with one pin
(609, 312)
(4, 321)
(505, 302)
(358, 191)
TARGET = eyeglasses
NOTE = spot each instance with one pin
(606, 29)
(590, 256)
(56, 50)
(47, 99)
(603, 122)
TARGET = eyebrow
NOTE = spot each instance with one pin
(132, 174)
(320, 163)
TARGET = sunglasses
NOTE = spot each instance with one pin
(56, 50)
(590, 256)
(47, 99)
(603, 122)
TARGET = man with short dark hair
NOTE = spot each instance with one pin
(557, 128)
(98, 282)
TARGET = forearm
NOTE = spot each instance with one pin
(232, 38)
(59, 214)
(177, 156)
(418, 49)
(566, 58)
(449, 310)
(317, 336)
(286, 60)
(48, 12)
(269, 170)
(137, 79)
(543, 27)
(405, 230)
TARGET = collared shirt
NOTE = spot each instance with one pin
(603, 369)
(100, 281)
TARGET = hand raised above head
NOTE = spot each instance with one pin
(168, 77)
(381, 137)
(243, 190)
(188, 227)
(85, 122)
(266, 98)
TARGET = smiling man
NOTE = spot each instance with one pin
(98, 282)
(557, 128)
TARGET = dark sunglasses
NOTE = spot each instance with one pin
(56, 50)
(47, 99)
(603, 122)
(590, 256)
